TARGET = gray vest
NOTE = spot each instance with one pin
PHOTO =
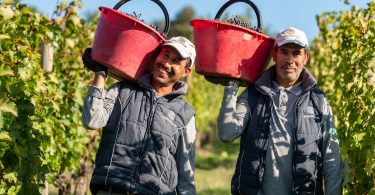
(307, 157)
(136, 152)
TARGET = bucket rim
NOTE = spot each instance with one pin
(102, 8)
(229, 25)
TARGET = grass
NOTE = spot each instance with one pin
(215, 164)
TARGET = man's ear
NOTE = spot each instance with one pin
(274, 54)
(307, 55)
(187, 71)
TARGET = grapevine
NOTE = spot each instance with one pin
(41, 135)
(343, 60)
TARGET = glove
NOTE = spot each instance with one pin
(225, 81)
(233, 82)
(91, 64)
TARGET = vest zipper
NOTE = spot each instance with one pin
(143, 145)
(239, 176)
(295, 140)
(265, 140)
(261, 159)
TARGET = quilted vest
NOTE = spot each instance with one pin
(307, 157)
(137, 148)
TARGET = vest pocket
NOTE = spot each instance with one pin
(307, 175)
(158, 172)
(308, 144)
(307, 159)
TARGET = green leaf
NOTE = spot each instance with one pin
(11, 177)
(6, 73)
(8, 108)
(5, 137)
(4, 37)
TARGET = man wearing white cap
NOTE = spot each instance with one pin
(289, 143)
(147, 143)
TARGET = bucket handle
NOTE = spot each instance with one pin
(166, 15)
(255, 8)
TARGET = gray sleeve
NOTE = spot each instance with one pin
(185, 160)
(234, 114)
(332, 160)
(98, 106)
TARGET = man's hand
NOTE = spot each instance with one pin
(225, 81)
(233, 82)
(91, 64)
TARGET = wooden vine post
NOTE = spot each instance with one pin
(47, 56)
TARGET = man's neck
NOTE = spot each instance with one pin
(287, 84)
(162, 90)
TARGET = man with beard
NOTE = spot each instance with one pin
(289, 144)
(147, 143)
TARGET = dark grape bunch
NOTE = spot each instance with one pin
(135, 16)
(138, 17)
(237, 21)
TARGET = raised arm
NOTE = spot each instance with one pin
(234, 113)
(98, 104)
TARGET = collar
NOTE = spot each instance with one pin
(295, 89)
(264, 83)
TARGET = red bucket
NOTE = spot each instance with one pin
(125, 45)
(229, 50)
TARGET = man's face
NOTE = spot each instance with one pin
(169, 67)
(290, 60)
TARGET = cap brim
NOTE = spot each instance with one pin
(292, 41)
(180, 49)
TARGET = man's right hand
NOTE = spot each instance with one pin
(91, 64)
(225, 81)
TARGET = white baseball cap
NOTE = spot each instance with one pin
(183, 46)
(291, 35)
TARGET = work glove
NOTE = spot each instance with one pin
(91, 64)
(234, 82)
(225, 81)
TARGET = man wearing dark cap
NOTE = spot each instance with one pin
(289, 143)
(147, 143)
